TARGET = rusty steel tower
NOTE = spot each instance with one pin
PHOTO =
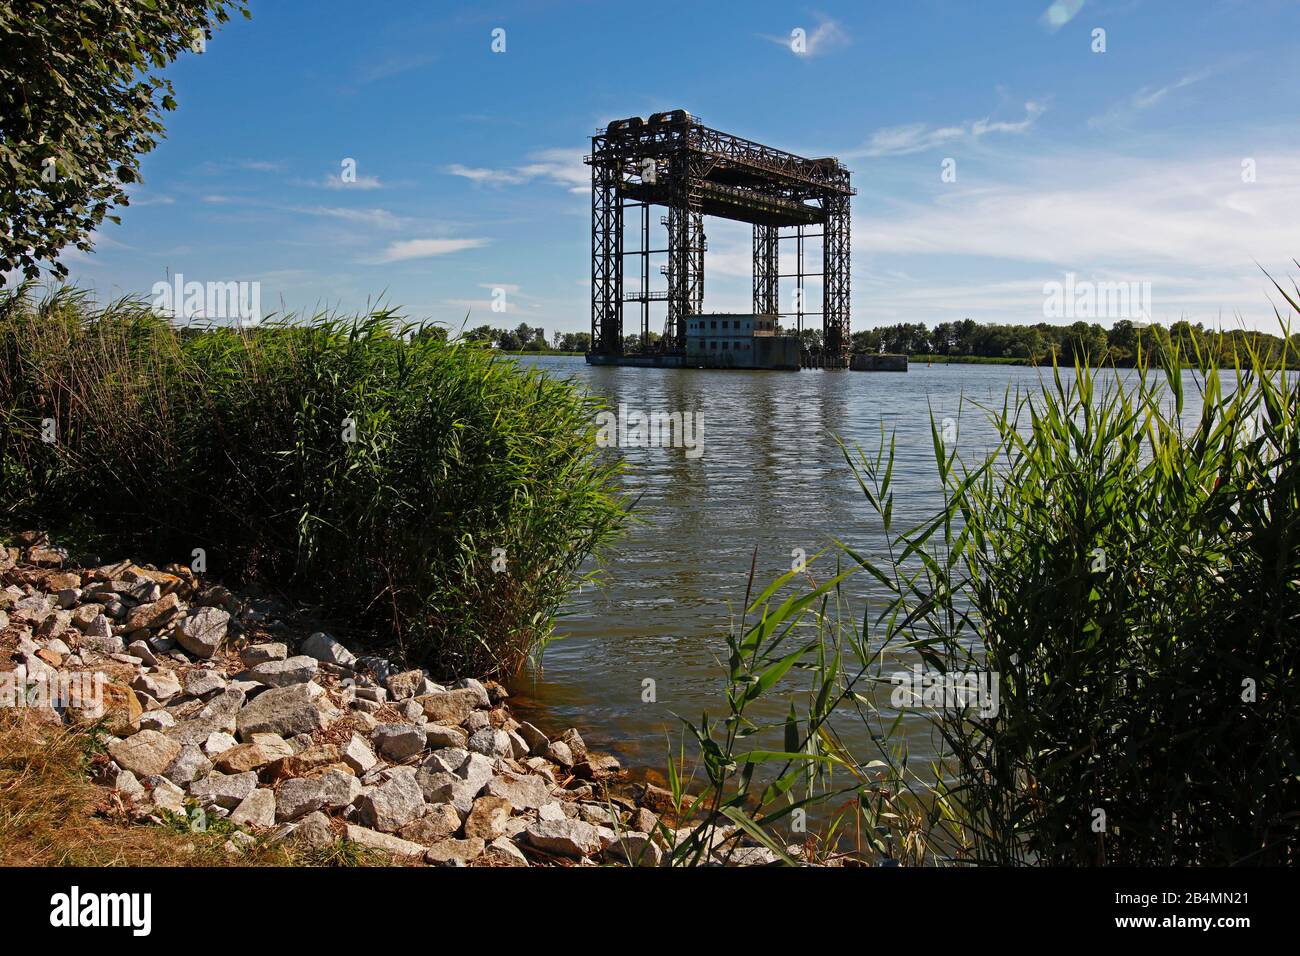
(673, 160)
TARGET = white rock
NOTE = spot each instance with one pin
(357, 754)
(202, 632)
(100, 626)
(147, 753)
(480, 692)
(440, 787)
(399, 741)
(558, 752)
(525, 792)
(447, 760)
(142, 650)
(224, 790)
(503, 852)
(262, 653)
(454, 852)
(636, 849)
(324, 648)
(393, 804)
(201, 683)
(490, 742)
(551, 811)
(295, 670)
(156, 720)
(477, 769)
(440, 735)
(160, 685)
(383, 841)
(190, 765)
(218, 743)
(123, 781)
(565, 837)
(257, 809)
(165, 795)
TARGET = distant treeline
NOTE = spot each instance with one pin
(968, 339)
(1067, 343)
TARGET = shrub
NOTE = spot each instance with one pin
(1126, 567)
(374, 471)
(1134, 581)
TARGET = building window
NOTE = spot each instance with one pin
(713, 323)
(714, 346)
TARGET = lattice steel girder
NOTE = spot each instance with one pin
(625, 141)
(675, 161)
(766, 282)
(835, 280)
(685, 270)
(606, 261)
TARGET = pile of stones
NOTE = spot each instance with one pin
(218, 706)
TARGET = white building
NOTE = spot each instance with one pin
(732, 340)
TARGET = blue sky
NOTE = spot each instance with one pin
(1125, 165)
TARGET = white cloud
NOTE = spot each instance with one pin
(483, 175)
(1144, 99)
(827, 35)
(1192, 228)
(559, 167)
(1060, 13)
(335, 181)
(152, 200)
(378, 218)
(917, 137)
(392, 66)
(426, 248)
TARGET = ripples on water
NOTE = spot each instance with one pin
(771, 477)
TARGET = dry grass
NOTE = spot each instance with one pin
(51, 814)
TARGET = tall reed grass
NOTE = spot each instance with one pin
(445, 499)
(1128, 571)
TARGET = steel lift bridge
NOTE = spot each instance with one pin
(673, 160)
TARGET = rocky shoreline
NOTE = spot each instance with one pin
(219, 705)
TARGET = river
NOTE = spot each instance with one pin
(769, 476)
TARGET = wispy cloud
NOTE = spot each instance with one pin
(1191, 228)
(559, 167)
(246, 165)
(1060, 13)
(378, 218)
(917, 137)
(426, 249)
(336, 181)
(826, 36)
(485, 176)
(1121, 114)
(392, 66)
(261, 165)
(154, 199)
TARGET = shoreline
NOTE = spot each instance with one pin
(218, 706)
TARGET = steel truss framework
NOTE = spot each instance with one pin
(673, 160)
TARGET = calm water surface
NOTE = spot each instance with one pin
(771, 478)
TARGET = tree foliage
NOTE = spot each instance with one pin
(80, 101)
(1083, 342)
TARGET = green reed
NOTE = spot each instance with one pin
(443, 498)
(1130, 576)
